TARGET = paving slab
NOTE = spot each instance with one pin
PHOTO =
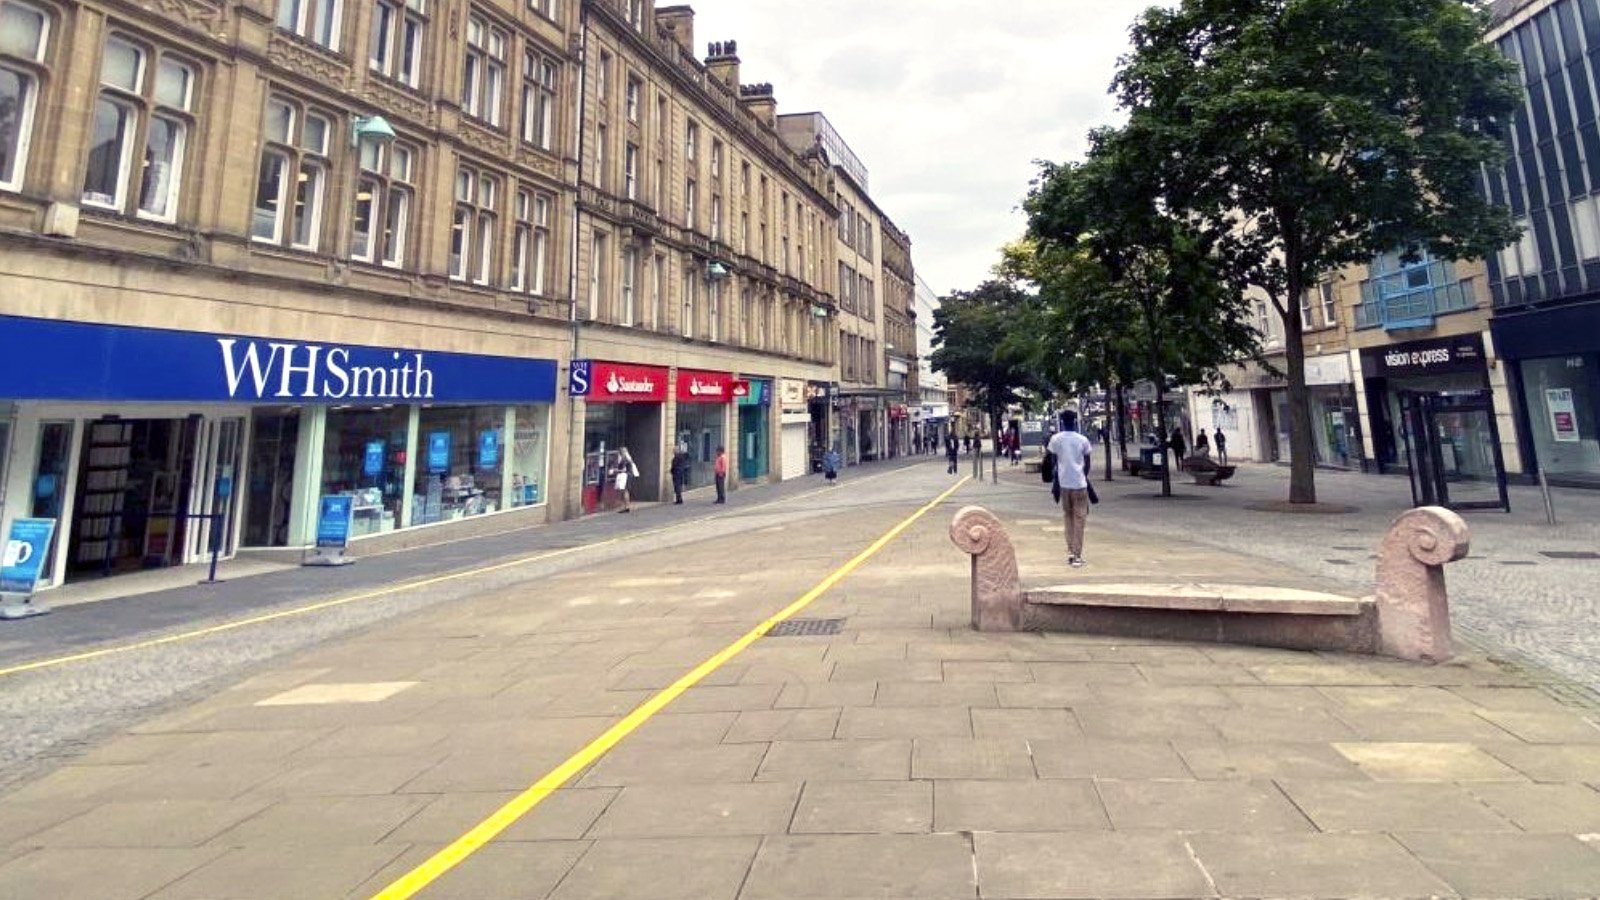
(1375, 806)
(710, 868)
(988, 758)
(864, 807)
(1519, 865)
(1019, 806)
(1419, 761)
(149, 823)
(1314, 865)
(1029, 724)
(1087, 865)
(871, 722)
(60, 872)
(698, 810)
(281, 873)
(766, 725)
(644, 764)
(1232, 806)
(926, 867)
(1564, 808)
(1098, 758)
(324, 822)
(1566, 762)
(1266, 760)
(827, 694)
(495, 870)
(836, 761)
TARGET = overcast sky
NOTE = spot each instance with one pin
(947, 103)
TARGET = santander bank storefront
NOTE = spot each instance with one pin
(151, 447)
(622, 409)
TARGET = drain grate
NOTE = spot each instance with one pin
(804, 627)
(1518, 562)
(1570, 554)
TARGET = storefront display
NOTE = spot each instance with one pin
(623, 405)
(701, 417)
(1562, 399)
(234, 438)
(1434, 366)
(754, 432)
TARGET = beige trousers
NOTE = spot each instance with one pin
(1075, 507)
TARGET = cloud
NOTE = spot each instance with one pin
(946, 102)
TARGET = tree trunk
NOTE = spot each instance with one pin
(1302, 463)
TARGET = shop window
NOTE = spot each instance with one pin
(24, 38)
(140, 129)
(314, 20)
(528, 452)
(1562, 400)
(460, 463)
(538, 99)
(398, 29)
(472, 228)
(384, 192)
(364, 455)
(291, 183)
(483, 73)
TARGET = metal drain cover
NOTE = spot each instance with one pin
(1570, 554)
(804, 627)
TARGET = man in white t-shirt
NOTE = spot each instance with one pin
(1074, 455)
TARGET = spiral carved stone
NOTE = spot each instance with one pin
(996, 586)
(1413, 606)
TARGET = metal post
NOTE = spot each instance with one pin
(1549, 504)
(216, 546)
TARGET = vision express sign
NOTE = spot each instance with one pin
(1432, 357)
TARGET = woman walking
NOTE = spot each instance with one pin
(625, 470)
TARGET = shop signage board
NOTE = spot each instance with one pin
(1563, 414)
(489, 449)
(791, 394)
(26, 548)
(334, 512)
(202, 367)
(1436, 356)
(610, 382)
(695, 386)
(438, 452)
(372, 459)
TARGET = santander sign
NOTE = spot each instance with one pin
(704, 387)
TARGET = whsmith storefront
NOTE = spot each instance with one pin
(144, 443)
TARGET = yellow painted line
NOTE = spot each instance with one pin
(407, 885)
(391, 589)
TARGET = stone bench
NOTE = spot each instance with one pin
(1205, 471)
(1032, 466)
(1408, 617)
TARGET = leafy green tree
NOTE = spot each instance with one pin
(1156, 290)
(971, 346)
(1306, 135)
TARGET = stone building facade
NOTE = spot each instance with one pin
(254, 253)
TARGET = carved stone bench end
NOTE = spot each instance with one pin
(1413, 607)
(996, 586)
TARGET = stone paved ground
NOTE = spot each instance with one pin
(905, 756)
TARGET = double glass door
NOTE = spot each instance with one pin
(1453, 447)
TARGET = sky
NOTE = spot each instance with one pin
(948, 104)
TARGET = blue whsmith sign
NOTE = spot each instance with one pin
(45, 359)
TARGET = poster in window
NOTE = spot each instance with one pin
(489, 449)
(1563, 414)
(438, 452)
(372, 460)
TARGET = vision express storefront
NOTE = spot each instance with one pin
(147, 445)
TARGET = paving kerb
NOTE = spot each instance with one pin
(1153, 732)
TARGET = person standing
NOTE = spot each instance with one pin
(830, 465)
(1202, 447)
(952, 452)
(680, 473)
(1179, 446)
(1074, 457)
(625, 470)
(1221, 442)
(720, 467)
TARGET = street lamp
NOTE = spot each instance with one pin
(371, 128)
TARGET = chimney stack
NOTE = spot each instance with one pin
(722, 61)
(678, 22)
(758, 99)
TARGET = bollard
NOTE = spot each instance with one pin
(1549, 504)
(216, 546)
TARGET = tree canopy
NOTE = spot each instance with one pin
(973, 345)
(1301, 136)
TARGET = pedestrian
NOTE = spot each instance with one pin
(966, 442)
(625, 470)
(720, 467)
(950, 451)
(1178, 445)
(1221, 442)
(830, 465)
(680, 472)
(1073, 458)
(1202, 447)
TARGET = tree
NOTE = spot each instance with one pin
(1306, 135)
(1158, 290)
(970, 346)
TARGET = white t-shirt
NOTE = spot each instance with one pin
(1072, 452)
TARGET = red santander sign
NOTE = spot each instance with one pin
(695, 386)
(609, 382)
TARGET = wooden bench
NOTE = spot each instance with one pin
(1408, 617)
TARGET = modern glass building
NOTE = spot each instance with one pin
(1546, 287)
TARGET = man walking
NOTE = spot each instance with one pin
(1221, 443)
(721, 470)
(1073, 454)
(680, 472)
(951, 449)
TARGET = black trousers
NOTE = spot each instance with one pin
(677, 487)
(722, 488)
